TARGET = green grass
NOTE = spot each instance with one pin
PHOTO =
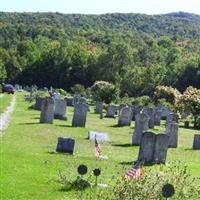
(29, 168)
(5, 100)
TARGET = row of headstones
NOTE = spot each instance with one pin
(56, 109)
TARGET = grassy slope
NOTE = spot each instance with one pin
(5, 100)
(29, 169)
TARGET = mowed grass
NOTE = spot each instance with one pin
(29, 165)
(5, 100)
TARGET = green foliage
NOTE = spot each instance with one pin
(78, 89)
(62, 91)
(150, 187)
(40, 93)
(104, 91)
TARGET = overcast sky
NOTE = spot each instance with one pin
(101, 6)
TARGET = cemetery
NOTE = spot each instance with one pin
(45, 149)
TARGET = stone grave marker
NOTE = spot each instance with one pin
(196, 142)
(141, 125)
(135, 110)
(172, 132)
(99, 107)
(101, 137)
(157, 117)
(47, 111)
(60, 109)
(69, 101)
(65, 145)
(125, 116)
(38, 103)
(111, 111)
(80, 115)
(172, 117)
(164, 111)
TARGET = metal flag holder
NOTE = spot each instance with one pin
(96, 173)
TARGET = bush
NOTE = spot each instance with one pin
(78, 89)
(62, 92)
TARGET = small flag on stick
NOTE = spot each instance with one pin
(97, 148)
(136, 172)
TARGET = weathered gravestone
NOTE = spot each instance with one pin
(38, 103)
(65, 145)
(164, 111)
(157, 118)
(125, 116)
(60, 109)
(172, 132)
(141, 125)
(80, 115)
(47, 111)
(161, 147)
(196, 142)
(99, 107)
(111, 111)
(135, 110)
(172, 117)
(151, 113)
(101, 137)
(153, 148)
(69, 101)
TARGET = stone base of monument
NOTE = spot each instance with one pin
(60, 117)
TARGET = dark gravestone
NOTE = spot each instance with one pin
(65, 145)
(141, 125)
(125, 116)
(47, 111)
(172, 132)
(80, 115)
(196, 142)
(147, 146)
(38, 103)
(135, 110)
(157, 118)
(111, 111)
(60, 109)
(150, 112)
(161, 147)
(99, 107)
(69, 101)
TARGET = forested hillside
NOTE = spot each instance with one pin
(135, 52)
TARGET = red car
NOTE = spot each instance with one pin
(8, 88)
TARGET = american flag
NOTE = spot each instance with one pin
(136, 172)
(97, 148)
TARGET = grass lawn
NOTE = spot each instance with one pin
(29, 167)
(5, 100)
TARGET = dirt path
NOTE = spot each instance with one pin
(6, 116)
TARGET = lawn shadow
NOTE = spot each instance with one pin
(63, 125)
(29, 123)
(127, 163)
(190, 128)
(115, 126)
(58, 153)
(190, 149)
(122, 145)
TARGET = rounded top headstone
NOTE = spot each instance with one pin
(82, 169)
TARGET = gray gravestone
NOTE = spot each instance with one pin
(101, 137)
(151, 113)
(38, 103)
(141, 125)
(125, 116)
(69, 101)
(164, 111)
(172, 132)
(157, 118)
(135, 110)
(196, 142)
(60, 109)
(47, 111)
(161, 147)
(99, 107)
(147, 146)
(80, 115)
(111, 111)
(65, 145)
(172, 117)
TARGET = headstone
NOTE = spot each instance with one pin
(164, 111)
(60, 109)
(141, 125)
(135, 110)
(172, 117)
(47, 111)
(157, 118)
(111, 111)
(161, 147)
(65, 145)
(99, 107)
(69, 101)
(172, 132)
(80, 114)
(151, 112)
(38, 103)
(101, 137)
(196, 142)
(147, 146)
(125, 116)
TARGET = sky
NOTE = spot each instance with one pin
(101, 6)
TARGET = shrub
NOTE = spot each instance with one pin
(78, 89)
(62, 92)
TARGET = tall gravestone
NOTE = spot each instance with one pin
(111, 111)
(135, 110)
(47, 111)
(38, 103)
(196, 142)
(99, 107)
(161, 147)
(172, 117)
(151, 113)
(125, 116)
(164, 111)
(80, 115)
(157, 117)
(60, 109)
(141, 125)
(172, 132)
